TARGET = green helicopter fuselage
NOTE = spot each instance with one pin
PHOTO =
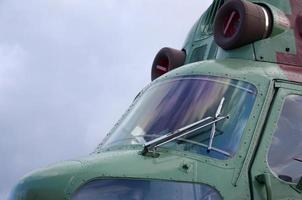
(221, 118)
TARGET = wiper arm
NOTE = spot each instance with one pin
(176, 135)
(154, 144)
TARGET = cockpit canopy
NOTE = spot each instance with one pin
(174, 103)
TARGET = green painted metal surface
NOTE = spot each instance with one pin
(234, 178)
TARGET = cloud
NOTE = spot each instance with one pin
(70, 68)
(12, 59)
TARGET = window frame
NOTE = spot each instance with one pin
(278, 134)
(284, 89)
(259, 166)
(87, 185)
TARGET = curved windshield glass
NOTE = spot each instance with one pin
(170, 105)
(144, 190)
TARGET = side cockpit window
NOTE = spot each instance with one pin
(285, 154)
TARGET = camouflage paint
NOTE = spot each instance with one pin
(294, 59)
(293, 65)
(233, 178)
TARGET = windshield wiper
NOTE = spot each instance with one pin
(152, 145)
(213, 131)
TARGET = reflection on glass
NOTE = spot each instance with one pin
(144, 190)
(172, 104)
(285, 154)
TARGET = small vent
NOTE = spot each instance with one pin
(208, 19)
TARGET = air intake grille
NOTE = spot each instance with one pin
(206, 25)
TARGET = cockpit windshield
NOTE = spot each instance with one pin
(172, 104)
(126, 189)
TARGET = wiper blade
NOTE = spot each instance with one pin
(153, 144)
(213, 131)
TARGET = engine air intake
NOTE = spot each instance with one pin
(240, 22)
(166, 60)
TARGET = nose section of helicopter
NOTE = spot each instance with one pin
(47, 184)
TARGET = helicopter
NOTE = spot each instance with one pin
(221, 118)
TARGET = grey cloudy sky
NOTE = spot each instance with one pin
(70, 68)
